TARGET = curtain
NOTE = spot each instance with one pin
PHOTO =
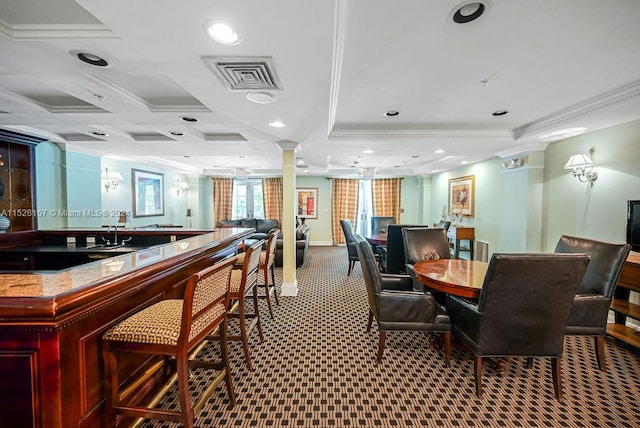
(344, 204)
(386, 197)
(222, 199)
(272, 192)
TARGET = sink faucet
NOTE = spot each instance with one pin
(115, 234)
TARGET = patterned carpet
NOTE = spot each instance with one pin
(316, 369)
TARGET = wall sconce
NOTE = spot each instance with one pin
(582, 167)
(111, 180)
(181, 187)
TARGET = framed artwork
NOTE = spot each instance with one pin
(307, 200)
(148, 193)
(462, 196)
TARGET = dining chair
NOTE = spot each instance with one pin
(396, 307)
(173, 328)
(522, 310)
(590, 308)
(350, 238)
(421, 244)
(392, 255)
(266, 268)
(380, 224)
(243, 286)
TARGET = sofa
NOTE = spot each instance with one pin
(261, 225)
(303, 233)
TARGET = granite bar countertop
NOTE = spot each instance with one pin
(46, 284)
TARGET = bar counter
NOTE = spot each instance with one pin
(51, 323)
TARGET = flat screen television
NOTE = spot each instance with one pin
(633, 225)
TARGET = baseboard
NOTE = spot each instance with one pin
(289, 289)
(320, 244)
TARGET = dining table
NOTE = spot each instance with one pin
(378, 238)
(458, 277)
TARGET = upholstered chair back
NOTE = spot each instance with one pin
(423, 243)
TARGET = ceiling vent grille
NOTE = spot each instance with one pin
(245, 73)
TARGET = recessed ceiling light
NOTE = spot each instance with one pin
(368, 151)
(259, 97)
(90, 58)
(223, 33)
(189, 119)
(276, 124)
(467, 11)
(439, 151)
(499, 113)
(391, 113)
(464, 162)
(301, 162)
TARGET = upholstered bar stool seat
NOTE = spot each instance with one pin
(173, 328)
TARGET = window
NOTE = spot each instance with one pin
(248, 200)
(365, 208)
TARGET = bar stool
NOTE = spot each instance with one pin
(243, 282)
(267, 262)
(173, 328)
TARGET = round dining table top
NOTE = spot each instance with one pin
(379, 238)
(458, 277)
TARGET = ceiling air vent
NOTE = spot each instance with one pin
(245, 73)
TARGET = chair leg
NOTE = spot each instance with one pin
(477, 366)
(529, 363)
(599, 347)
(370, 322)
(351, 265)
(224, 355)
(244, 336)
(273, 281)
(381, 342)
(182, 370)
(110, 383)
(446, 341)
(256, 310)
(557, 377)
(267, 291)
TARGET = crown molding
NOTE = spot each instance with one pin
(385, 134)
(35, 32)
(580, 110)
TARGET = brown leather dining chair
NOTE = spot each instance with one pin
(350, 238)
(590, 309)
(396, 307)
(522, 310)
(421, 244)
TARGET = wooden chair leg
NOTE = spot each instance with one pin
(244, 336)
(370, 322)
(267, 292)
(381, 342)
(256, 310)
(446, 341)
(351, 265)
(182, 367)
(477, 366)
(273, 281)
(110, 384)
(224, 355)
(529, 363)
(557, 377)
(599, 348)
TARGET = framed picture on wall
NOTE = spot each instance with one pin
(148, 193)
(462, 196)
(307, 200)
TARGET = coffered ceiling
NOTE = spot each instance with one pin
(170, 96)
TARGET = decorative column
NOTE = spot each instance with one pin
(289, 206)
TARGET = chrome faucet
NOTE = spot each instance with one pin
(115, 234)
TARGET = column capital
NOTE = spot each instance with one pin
(288, 145)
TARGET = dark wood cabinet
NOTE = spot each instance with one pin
(622, 306)
(17, 176)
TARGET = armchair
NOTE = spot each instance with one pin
(379, 224)
(423, 243)
(396, 307)
(522, 310)
(350, 238)
(392, 256)
(590, 309)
